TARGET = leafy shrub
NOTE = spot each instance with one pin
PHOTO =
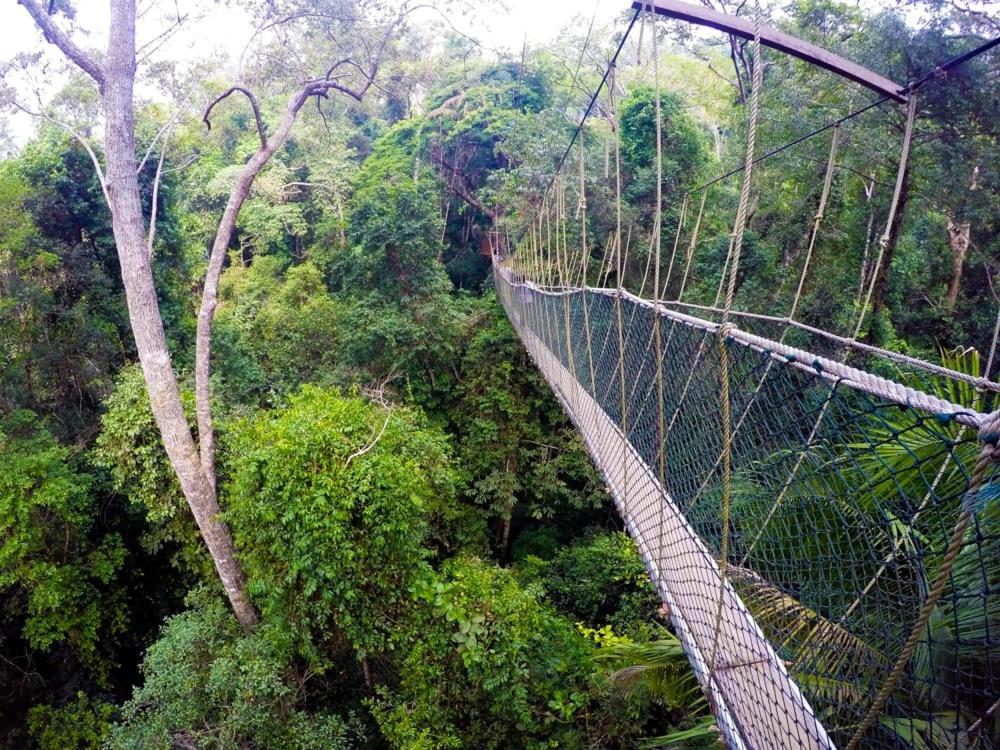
(47, 553)
(331, 502)
(81, 724)
(210, 686)
(282, 329)
(601, 580)
(484, 663)
(130, 448)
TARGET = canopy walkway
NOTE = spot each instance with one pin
(825, 537)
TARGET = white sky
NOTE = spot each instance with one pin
(225, 27)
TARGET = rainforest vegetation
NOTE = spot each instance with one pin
(275, 470)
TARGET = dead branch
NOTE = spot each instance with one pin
(150, 48)
(152, 209)
(261, 132)
(54, 35)
(161, 133)
(98, 169)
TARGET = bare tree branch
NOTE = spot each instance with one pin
(151, 235)
(149, 48)
(708, 61)
(54, 35)
(167, 126)
(319, 87)
(79, 137)
(253, 105)
(462, 189)
(373, 442)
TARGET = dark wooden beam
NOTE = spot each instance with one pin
(771, 37)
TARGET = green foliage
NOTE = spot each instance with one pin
(210, 686)
(82, 724)
(60, 319)
(280, 326)
(129, 447)
(660, 670)
(683, 144)
(330, 502)
(58, 571)
(414, 348)
(600, 579)
(515, 443)
(395, 228)
(486, 665)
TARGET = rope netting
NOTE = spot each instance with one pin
(819, 515)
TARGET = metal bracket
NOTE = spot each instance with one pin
(771, 37)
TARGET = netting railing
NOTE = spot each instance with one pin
(843, 498)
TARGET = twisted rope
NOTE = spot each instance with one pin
(883, 242)
(726, 328)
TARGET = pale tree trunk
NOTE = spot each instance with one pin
(959, 238)
(197, 481)
(319, 87)
(116, 80)
(216, 260)
(959, 234)
(193, 464)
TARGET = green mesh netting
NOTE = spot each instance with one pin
(843, 501)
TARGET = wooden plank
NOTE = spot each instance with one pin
(771, 37)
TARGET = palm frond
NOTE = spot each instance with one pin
(703, 735)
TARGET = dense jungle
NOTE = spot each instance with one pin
(276, 470)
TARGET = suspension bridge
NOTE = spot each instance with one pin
(818, 515)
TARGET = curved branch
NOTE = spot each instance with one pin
(54, 35)
(261, 132)
(268, 145)
(79, 137)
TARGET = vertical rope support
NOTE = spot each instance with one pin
(657, 318)
(911, 113)
(548, 270)
(564, 272)
(723, 332)
(692, 245)
(584, 264)
(831, 166)
(620, 270)
(657, 293)
(988, 456)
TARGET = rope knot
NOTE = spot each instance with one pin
(989, 436)
(726, 330)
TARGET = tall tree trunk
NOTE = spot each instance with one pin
(505, 537)
(144, 312)
(959, 238)
(216, 260)
(959, 234)
(193, 464)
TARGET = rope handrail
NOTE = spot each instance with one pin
(806, 521)
(829, 369)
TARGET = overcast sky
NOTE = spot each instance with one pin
(228, 29)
